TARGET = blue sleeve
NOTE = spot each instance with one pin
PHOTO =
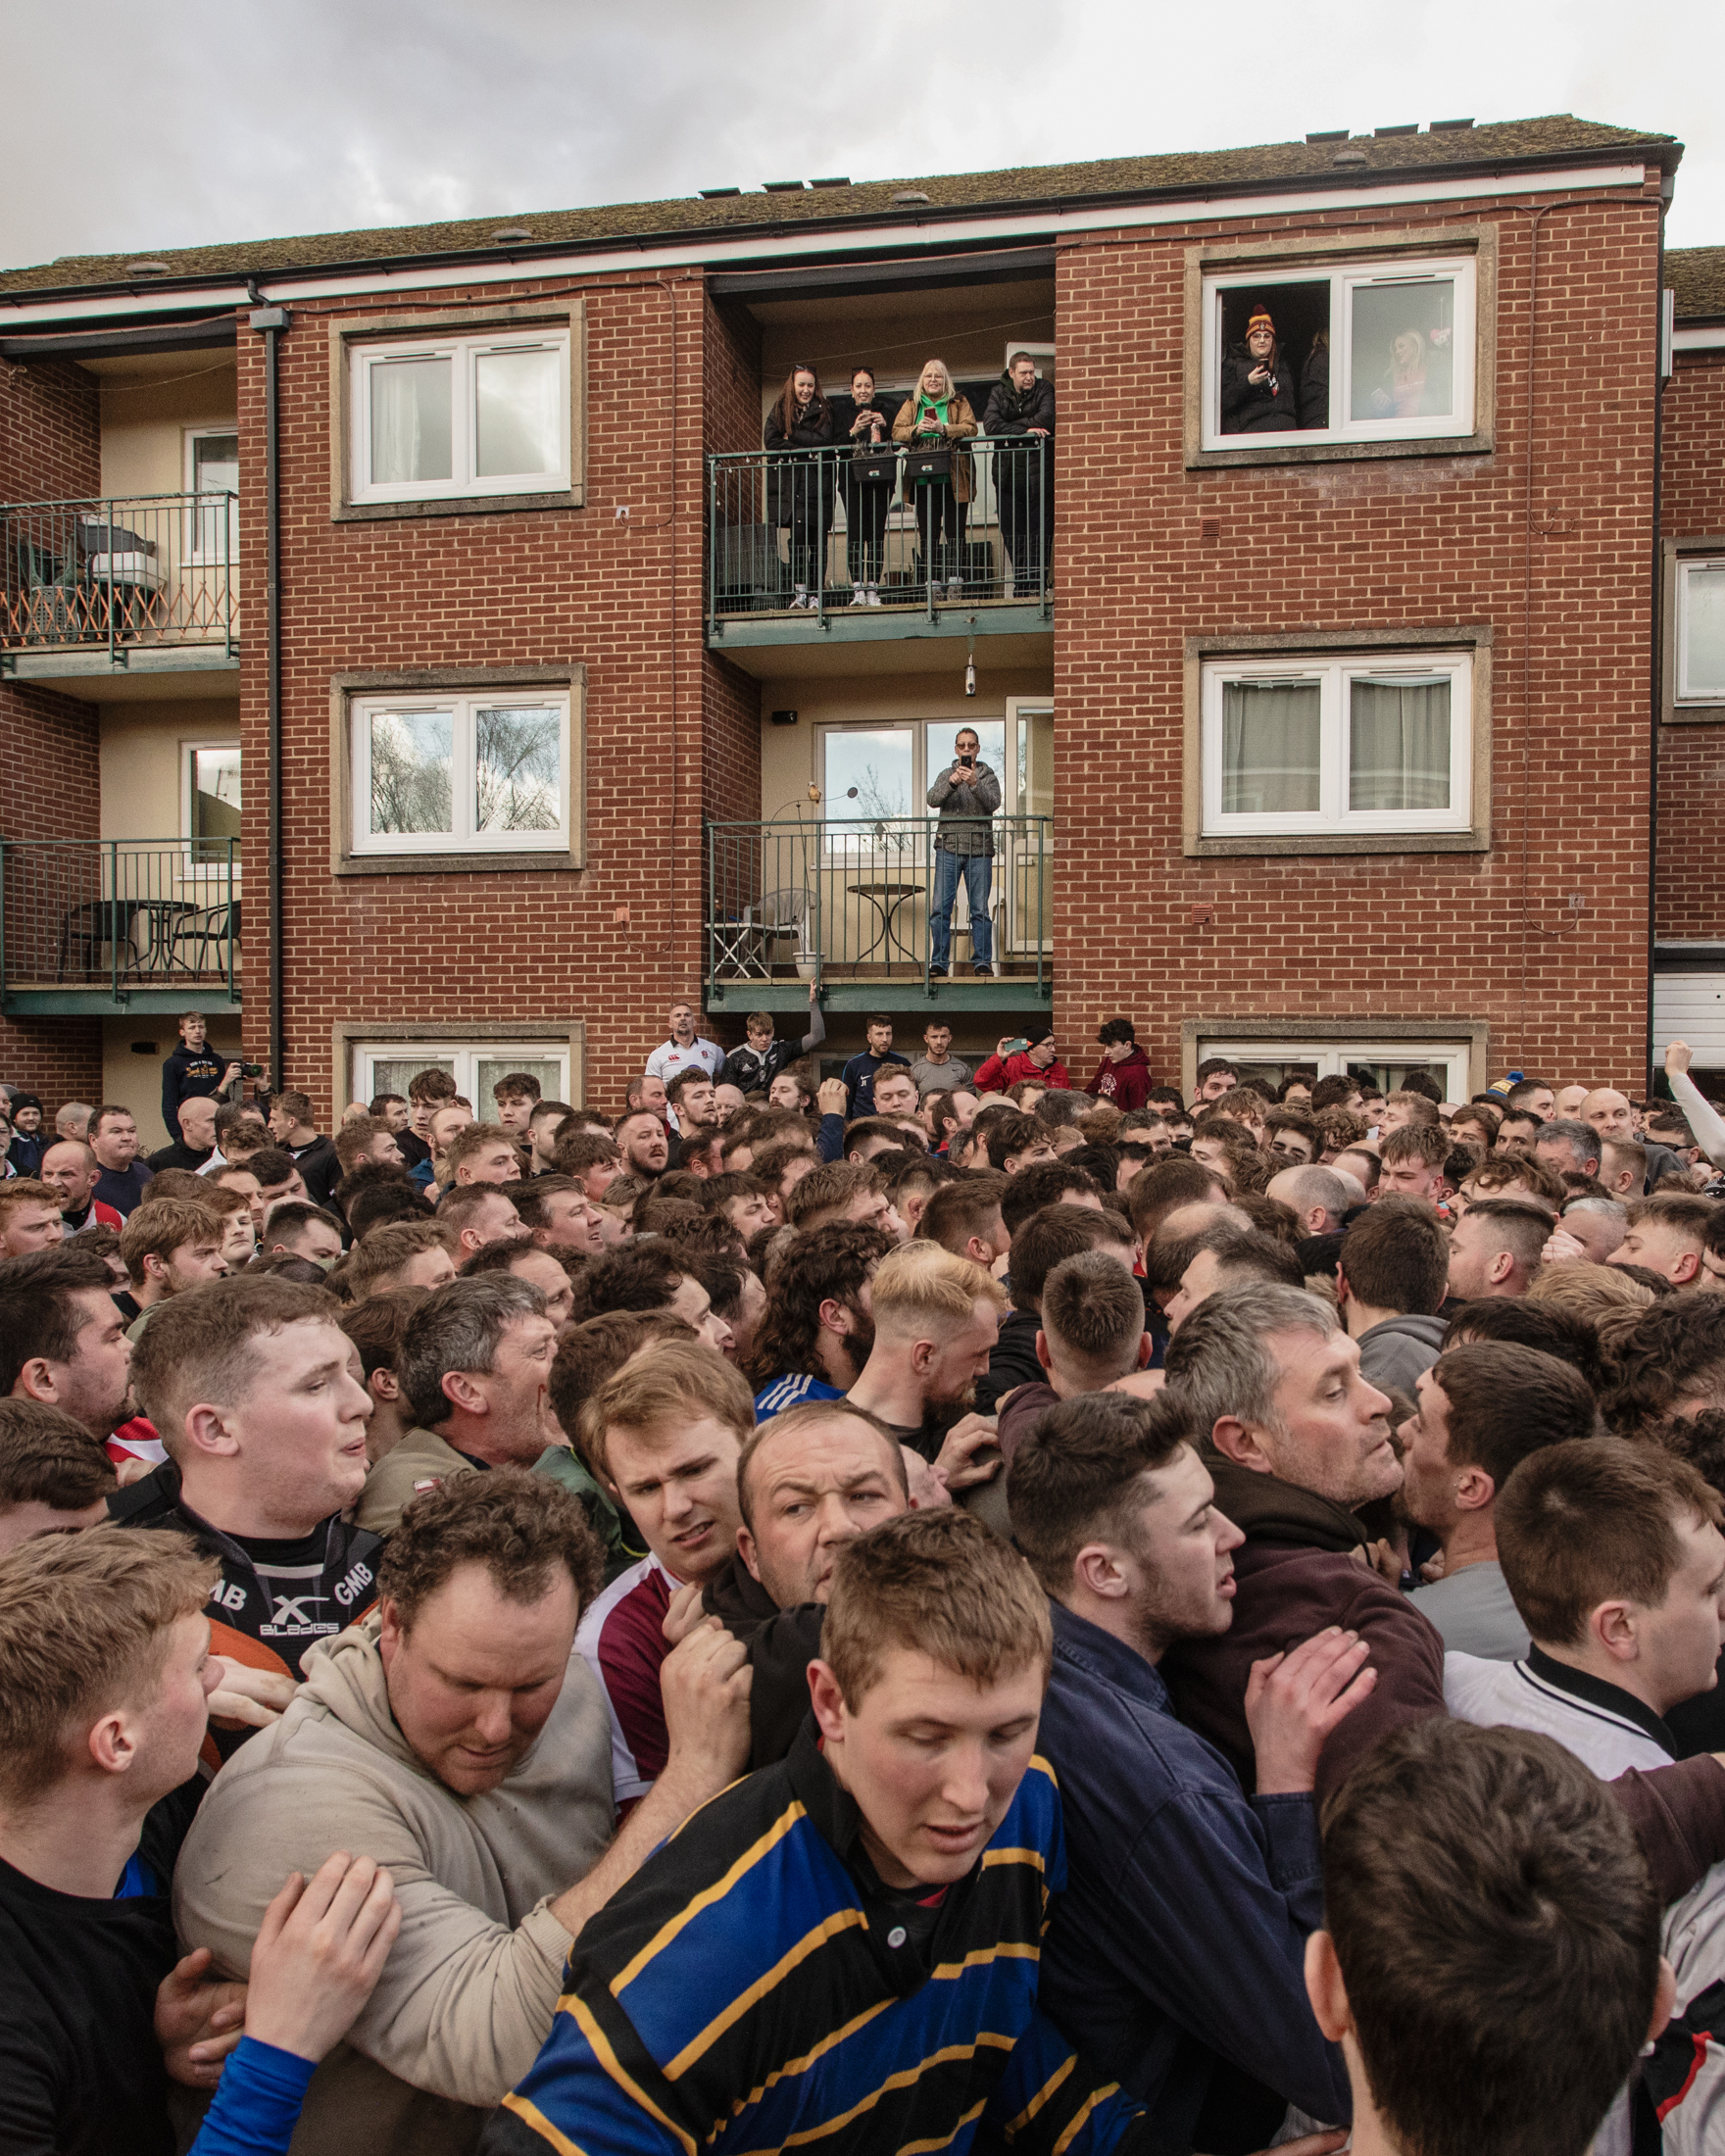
(257, 2102)
(1297, 1860)
(829, 1139)
(1049, 2099)
(1213, 1929)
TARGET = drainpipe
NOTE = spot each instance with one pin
(272, 322)
(1654, 1061)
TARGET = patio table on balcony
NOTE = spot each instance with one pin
(888, 900)
(115, 924)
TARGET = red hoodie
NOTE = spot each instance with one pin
(995, 1076)
(1124, 1085)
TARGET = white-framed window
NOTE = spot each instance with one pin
(210, 805)
(471, 775)
(1348, 743)
(1375, 351)
(874, 775)
(212, 485)
(1701, 630)
(1386, 1064)
(387, 1066)
(446, 416)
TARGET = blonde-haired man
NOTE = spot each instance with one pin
(936, 1320)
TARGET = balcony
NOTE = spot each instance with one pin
(846, 902)
(133, 585)
(99, 927)
(812, 517)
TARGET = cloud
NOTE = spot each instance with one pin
(199, 123)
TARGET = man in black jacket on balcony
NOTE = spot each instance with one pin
(1020, 415)
(192, 1073)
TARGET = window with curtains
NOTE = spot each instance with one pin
(1373, 743)
(460, 416)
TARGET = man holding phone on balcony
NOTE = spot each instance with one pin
(967, 797)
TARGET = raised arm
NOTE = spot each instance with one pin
(816, 1032)
(1705, 1121)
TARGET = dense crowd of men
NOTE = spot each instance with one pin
(918, 1608)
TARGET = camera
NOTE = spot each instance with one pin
(969, 763)
(251, 1071)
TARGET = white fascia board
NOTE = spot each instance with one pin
(781, 248)
(1709, 338)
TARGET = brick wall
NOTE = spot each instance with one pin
(50, 450)
(1692, 788)
(614, 943)
(48, 789)
(1691, 449)
(1416, 542)
(50, 432)
(1691, 757)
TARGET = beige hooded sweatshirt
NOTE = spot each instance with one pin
(469, 1989)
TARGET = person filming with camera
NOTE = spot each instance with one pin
(967, 795)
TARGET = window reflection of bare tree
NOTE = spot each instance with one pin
(883, 804)
(518, 759)
(410, 775)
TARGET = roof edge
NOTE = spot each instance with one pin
(1663, 151)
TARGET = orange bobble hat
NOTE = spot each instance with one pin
(1260, 319)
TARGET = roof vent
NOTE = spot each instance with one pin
(1349, 157)
(1331, 135)
(146, 269)
(511, 232)
(1412, 127)
(783, 186)
(910, 194)
(845, 182)
(718, 194)
(1450, 126)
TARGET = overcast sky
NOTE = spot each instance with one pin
(141, 127)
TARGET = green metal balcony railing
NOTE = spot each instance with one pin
(128, 572)
(855, 898)
(84, 913)
(821, 523)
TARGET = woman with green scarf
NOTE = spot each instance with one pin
(935, 417)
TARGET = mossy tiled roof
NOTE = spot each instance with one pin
(1696, 274)
(1558, 138)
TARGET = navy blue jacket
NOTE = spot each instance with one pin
(859, 1076)
(1178, 1948)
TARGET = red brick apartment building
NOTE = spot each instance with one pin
(398, 658)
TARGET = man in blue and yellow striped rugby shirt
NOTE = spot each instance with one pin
(842, 1950)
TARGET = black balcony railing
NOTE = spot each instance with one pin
(126, 573)
(856, 900)
(820, 529)
(87, 912)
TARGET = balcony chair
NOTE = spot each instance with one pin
(190, 939)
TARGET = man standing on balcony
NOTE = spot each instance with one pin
(1021, 413)
(192, 1073)
(967, 797)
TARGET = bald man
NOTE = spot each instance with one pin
(1317, 1195)
(1611, 1113)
